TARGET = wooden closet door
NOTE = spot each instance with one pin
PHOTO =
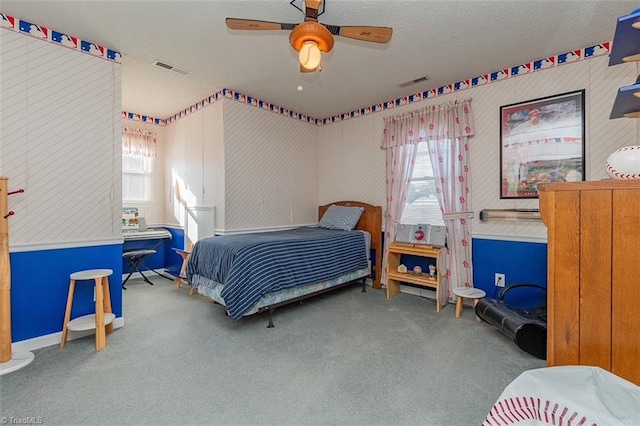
(595, 282)
(562, 217)
(626, 285)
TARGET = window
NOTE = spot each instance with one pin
(422, 204)
(136, 178)
(138, 152)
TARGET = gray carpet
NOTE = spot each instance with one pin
(345, 358)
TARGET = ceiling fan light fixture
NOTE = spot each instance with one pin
(310, 55)
(311, 31)
(311, 38)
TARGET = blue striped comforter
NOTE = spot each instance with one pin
(251, 265)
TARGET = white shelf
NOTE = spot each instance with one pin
(17, 361)
(88, 322)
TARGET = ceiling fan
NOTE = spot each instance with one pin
(310, 38)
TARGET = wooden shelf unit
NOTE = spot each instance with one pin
(395, 278)
(625, 48)
(592, 296)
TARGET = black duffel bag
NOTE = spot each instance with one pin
(527, 327)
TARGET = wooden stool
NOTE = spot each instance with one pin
(468, 293)
(182, 276)
(102, 320)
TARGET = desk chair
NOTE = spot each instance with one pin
(136, 260)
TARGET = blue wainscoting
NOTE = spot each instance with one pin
(40, 284)
(521, 262)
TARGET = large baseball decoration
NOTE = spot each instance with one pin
(624, 163)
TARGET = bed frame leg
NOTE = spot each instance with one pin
(364, 285)
(271, 319)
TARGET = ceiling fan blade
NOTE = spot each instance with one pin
(375, 34)
(252, 24)
(311, 7)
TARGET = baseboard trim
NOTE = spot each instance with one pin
(54, 338)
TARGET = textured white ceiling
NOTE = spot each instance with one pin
(447, 40)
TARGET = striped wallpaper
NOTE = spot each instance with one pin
(61, 124)
(348, 159)
(65, 151)
(350, 163)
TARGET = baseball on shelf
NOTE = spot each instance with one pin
(624, 163)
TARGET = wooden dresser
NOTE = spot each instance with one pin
(593, 274)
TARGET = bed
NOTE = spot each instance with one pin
(258, 272)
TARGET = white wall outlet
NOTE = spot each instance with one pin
(500, 280)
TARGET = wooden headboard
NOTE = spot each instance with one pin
(370, 221)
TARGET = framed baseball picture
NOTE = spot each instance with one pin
(541, 140)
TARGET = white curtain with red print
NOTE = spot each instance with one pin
(399, 164)
(446, 128)
(138, 142)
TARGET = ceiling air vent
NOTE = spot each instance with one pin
(171, 67)
(411, 82)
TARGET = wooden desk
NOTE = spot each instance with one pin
(394, 278)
